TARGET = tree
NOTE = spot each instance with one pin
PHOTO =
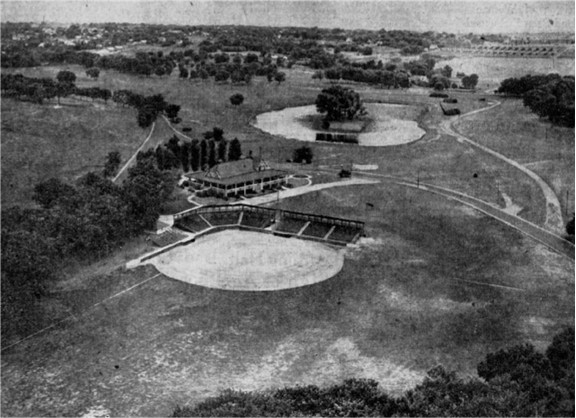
(470, 81)
(318, 75)
(172, 111)
(49, 192)
(234, 150)
(203, 154)
(303, 154)
(222, 148)
(211, 153)
(339, 103)
(66, 77)
(236, 99)
(93, 72)
(112, 164)
(280, 77)
(561, 352)
(183, 72)
(222, 76)
(194, 155)
(521, 362)
(160, 71)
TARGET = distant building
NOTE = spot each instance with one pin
(240, 177)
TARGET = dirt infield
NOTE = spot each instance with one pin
(392, 124)
(250, 261)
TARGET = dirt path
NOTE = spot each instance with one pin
(554, 221)
(283, 194)
(131, 160)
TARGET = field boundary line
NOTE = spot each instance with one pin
(82, 313)
(491, 285)
(135, 153)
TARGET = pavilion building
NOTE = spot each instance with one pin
(241, 177)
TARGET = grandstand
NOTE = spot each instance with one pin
(193, 223)
(317, 229)
(279, 222)
(166, 238)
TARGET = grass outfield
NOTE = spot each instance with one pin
(66, 142)
(413, 296)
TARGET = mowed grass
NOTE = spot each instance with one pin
(41, 141)
(514, 131)
(416, 294)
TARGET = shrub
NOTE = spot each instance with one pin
(437, 94)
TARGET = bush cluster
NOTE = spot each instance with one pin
(335, 137)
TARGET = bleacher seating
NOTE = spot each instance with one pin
(166, 238)
(290, 225)
(344, 233)
(222, 218)
(192, 223)
(256, 219)
(317, 229)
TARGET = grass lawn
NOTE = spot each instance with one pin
(64, 142)
(517, 133)
(412, 296)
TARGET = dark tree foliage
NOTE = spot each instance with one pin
(234, 150)
(550, 96)
(203, 154)
(522, 382)
(172, 111)
(66, 77)
(303, 154)
(280, 77)
(194, 155)
(211, 153)
(112, 164)
(49, 192)
(222, 149)
(236, 99)
(93, 72)
(339, 103)
(470, 81)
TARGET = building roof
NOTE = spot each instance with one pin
(234, 172)
(240, 178)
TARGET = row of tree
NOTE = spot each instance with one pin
(38, 90)
(197, 154)
(82, 221)
(518, 381)
(549, 96)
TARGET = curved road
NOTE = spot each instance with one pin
(554, 221)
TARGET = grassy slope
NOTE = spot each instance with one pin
(65, 142)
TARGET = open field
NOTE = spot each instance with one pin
(436, 284)
(493, 70)
(64, 142)
(545, 149)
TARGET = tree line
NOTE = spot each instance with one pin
(518, 381)
(86, 220)
(549, 96)
(196, 154)
(39, 89)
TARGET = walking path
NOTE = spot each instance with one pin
(283, 194)
(554, 221)
(131, 160)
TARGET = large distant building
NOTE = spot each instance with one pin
(240, 177)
